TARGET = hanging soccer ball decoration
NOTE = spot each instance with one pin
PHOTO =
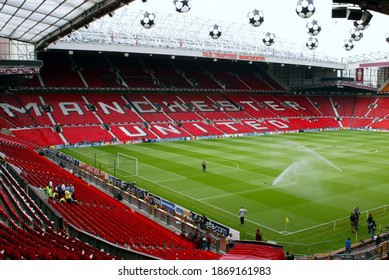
(348, 44)
(313, 28)
(356, 34)
(312, 43)
(215, 31)
(387, 37)
(148, 20)
(360, 24)
(256, 17)
(182, 6)
(269, 39)
(305, 8)
(144, 1)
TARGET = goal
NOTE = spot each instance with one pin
(127, 164)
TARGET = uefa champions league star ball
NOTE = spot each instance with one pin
(269, 39)
(182, 6)
(256, 17)
(348, 44)
(313, 28)
(148, 20)
(305, 8)
(215, 31)
(356, 34)
(312, 43)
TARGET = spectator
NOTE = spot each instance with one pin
(203, 222)
(72, 190)
(67, 188)
(203, 242)
(49, 192)
(60, 190)
(208, 241)
(229, 243)
(357, 213)
(289, 256)
(196, 241)
(352, 222)
(372, 228)
(68, 196)
(378, 240)
(369, 220)
(258, 235)
(348, 246)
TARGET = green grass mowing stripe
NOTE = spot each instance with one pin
(270, 156)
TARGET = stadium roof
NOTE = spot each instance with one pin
(41, 22)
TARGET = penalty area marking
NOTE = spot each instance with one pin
(226, 160)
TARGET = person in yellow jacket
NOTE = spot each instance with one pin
(68, 196)
(50, 192)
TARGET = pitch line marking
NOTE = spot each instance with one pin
(226, 160)
(121, 171)
(235, 193)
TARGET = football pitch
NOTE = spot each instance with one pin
(299, 188)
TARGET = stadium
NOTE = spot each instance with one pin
(132, 133)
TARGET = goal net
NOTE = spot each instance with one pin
(127, 164)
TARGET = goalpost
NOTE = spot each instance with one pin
(128, 163)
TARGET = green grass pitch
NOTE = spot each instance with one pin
(320, 177)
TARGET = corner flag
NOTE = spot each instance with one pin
(286, 220)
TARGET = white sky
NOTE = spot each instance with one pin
(281, 19)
